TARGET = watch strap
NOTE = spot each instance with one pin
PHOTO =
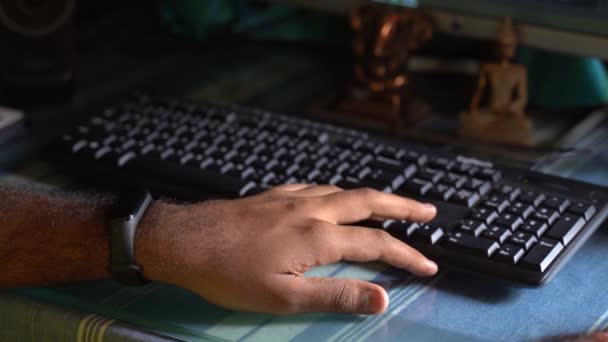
(122, 224)
(128, 274)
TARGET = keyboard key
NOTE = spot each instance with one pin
(510, 254)
(441, 163)
(334, 180)
(388, 164)
(345, 155)
(363, 161)
(441, 192)
(454, 180)
(472, 227)
(566, 228)
(401, 229)
(532, 197)
(474, 184)
(390, 152)
(125, 158)
(546, 214)
(521, 209)
(342, 167)
(414, 157)
(358, 172)
(484, 214)
(369, 147)
(474, 171)
(410, 170)
(465, 197)
(386, 224)
(484, 189)
(247, 173)
(250, 189)
(209, 164)
(470, 244)
(229, 166)
(417, 186)
(509, 220)
(489, 174)
(536, 227)
(428, 233)
(313, 176)
(498, 234)
(542, 255)
(556, 202)
(429, 174)
(462, 168)
(321, 162)
(583, 209)
(166, 154)
(101, 152)
(523, 239)
(349, 143)
(380, 179)
(497, 202)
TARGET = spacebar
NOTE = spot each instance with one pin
(207, 181)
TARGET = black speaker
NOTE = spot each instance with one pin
(36, 50)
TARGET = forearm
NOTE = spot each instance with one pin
(51, 238)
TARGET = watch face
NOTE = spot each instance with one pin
(130, 202)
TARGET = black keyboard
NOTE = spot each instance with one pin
(509, 223)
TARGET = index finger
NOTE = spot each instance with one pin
(361, 204)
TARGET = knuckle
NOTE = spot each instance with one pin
(294, 204)
(315, 228)
(382, 236)
(367, 192)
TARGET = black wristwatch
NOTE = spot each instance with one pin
(122, 223)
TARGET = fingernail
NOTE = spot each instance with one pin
(373, 302)
(430, 206)
(432, 266)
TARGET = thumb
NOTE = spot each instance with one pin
(341, 296)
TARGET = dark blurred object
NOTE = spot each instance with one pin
(36, 63)
(384, 37)
(11, 123)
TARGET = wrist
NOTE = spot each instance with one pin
(151, 240)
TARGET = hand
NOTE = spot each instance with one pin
(251, 253)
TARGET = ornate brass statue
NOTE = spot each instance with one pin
(383, 39)
(503, 120)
